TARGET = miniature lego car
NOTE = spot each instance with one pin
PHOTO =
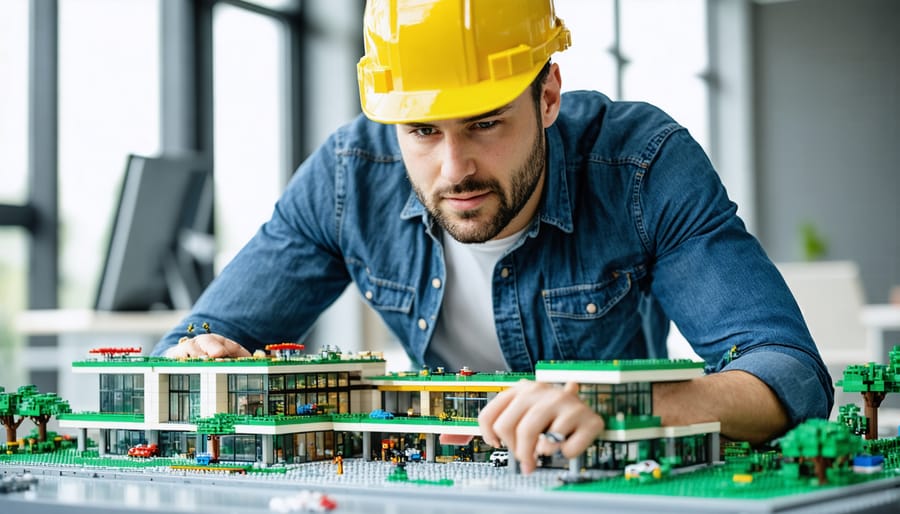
(17, 483)
(204, 459)
(499, 458)
(381, 414)
(413, 454)
(642, 469)
(307, 409)
(144, 451)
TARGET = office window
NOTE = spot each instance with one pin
(14, 33)
(246, 395)
(660, 55)
(665, 45)
(13, 264)
(108, 108)
(249, 122)
(14, 25)
(184, 397)
(122, 394)
(119, 441)
(588, 63)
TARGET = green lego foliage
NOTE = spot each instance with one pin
(820, 438)
(399, 474)
(220, 424)
(850, 416)
(871, 377)
(821, 448)
(37, 404)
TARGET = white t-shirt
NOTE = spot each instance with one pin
(465, 334)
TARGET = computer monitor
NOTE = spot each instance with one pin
(160, 253)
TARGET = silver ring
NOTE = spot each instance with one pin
(554, 437)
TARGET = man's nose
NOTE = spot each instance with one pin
(457, 163)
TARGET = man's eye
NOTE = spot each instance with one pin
(484, 125)
(424, 131)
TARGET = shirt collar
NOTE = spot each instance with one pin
(556, 206)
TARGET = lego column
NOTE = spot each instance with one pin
(714, 449)
(152, 436)
(429, 447)
(425, 403)
(268, 449)
(367, 446)
(101, 441)
(575, 464)
(670, 447)
(156, 393)
(213, 394)
(82, 439)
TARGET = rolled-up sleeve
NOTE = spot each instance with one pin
(714, 280)
(792, 376)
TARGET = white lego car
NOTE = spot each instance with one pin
(500, 458)
(643, 468)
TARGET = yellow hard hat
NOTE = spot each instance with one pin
(440, 59)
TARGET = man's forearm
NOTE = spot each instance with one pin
(745, 406)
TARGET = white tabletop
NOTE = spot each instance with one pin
(85, 321)
(885, 316)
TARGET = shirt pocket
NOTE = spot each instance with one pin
(385, 296)
(592, 321)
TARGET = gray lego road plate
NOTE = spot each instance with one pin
(362, 489)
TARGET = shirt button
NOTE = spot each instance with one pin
(369, 295)
(591, 308)
(504, 272)
(423, 324)
(436, 283)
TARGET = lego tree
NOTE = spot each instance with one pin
(825, 444)
(214, 427)
(40, 407)
(874, 381)
(9, 408)
(849, 415)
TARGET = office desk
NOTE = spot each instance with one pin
(78, 331)
(91, 322)
(879, 319)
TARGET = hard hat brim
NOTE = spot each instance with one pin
(397, 107)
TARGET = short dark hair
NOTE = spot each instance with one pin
(537, 85)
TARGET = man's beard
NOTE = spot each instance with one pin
(523, 184)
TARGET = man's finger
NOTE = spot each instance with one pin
(217, 346)
(489, 414)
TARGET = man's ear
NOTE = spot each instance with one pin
(551, 95)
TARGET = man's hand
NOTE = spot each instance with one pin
(206, 345)
(519, 416)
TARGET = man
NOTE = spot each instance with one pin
(493, 222)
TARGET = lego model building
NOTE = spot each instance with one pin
(287, 407)
(271, 409)
(621, 391)
(332, 411)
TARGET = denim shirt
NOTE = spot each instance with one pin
(634, 229)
